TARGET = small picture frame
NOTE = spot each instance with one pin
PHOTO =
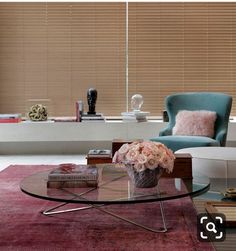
(226, 208)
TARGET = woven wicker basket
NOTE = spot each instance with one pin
(144, 179)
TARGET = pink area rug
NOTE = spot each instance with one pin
(23, 227)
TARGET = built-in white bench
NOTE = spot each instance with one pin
(74, 137)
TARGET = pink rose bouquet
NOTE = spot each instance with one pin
(145, 155)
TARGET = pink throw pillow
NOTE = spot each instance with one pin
(195, 123)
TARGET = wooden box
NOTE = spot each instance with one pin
(98, 160)
(226, 208)
(182, 167)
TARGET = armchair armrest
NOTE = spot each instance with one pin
(166, 131)
(221, 137)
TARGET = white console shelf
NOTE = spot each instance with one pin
(74, 131)
(74, 137)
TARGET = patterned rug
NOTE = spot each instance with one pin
(23, 227)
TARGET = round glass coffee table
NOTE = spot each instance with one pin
(114, 187)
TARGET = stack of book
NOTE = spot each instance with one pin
(71, 175)
(128, 117)
(92, 117)
(64, 119)
(10, 118)
(135, 116)
(96, 153)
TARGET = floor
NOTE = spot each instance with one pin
(229, 244)
(6, 160)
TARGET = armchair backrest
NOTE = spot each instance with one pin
(219, 102)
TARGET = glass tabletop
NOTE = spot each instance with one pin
(114, 187)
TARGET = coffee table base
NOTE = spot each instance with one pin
(51, 211)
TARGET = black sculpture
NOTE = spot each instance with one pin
(92, 98)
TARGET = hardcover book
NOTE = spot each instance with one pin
(99, 153)
(64, 119)
(96, 115)
(73, 172)
(72, 184)
(10, 118)
(92, 117)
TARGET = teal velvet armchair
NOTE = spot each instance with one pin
(196, 101)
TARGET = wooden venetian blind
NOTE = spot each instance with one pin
(180, 47)
(56, 51)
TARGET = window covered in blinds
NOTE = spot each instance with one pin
(181, 47)
(56, 51)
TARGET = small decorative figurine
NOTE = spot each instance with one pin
(136, 102)
(38, 112)
(92, 98)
